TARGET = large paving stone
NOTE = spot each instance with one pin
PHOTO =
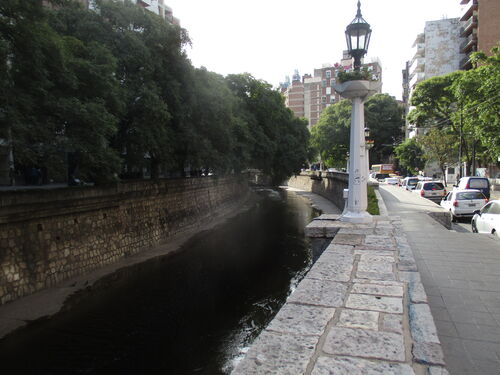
(377, 258)
(376, 240)
(301, 319)
(340, 256)
(339, 269)
(358, 319)
(375, 252)
(392, 305)
(435, 370)
(428, 353)
(377, 267)
(376, 289)
(319, 292)
(422, 324)
(348, 239)
(358, 366)
(392, 323)
(274, 353)
(410, 277)
(365, 343)
(334, 247)
(417, 293)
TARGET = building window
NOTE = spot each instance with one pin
(328, 73)
(328, 91)
(332, 99)
(323, 83)
(323, 99)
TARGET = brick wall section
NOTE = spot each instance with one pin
(331, 185)
(49, 236)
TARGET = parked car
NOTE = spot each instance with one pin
(409, 183)
(433, 190)
(463, 203)
(472, 182)
(487, 220)
(391, 180)
(381, 176)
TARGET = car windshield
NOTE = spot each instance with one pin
(412, 182)
(478, 183)
(470, 195)
(434, 186)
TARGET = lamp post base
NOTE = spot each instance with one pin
(357, 217)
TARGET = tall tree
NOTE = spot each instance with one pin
(477, 91)
(440, 146)
(330, 136)
(410, 155)
(384, 118)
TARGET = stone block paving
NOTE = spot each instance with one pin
(361, 309)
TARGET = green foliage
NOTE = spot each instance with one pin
(441, 146)
(384, 118)
(372, 208)
(111, 92)
(410, 155)
(330, 136)
(355, 75)
(477, 91)
(466, 103)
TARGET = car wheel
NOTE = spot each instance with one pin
(494, 232)
(474, 227)
(453, 217)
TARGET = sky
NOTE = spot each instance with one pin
(271, 38)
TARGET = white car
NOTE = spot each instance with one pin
(463, 203)
(392, 180)
(487, 220)
(409, 183)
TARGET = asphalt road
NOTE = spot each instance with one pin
(461, 276)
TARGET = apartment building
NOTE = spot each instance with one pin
(294, 95)
(435, 52)
(309, 96)
(480, 28)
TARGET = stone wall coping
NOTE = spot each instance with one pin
(361, 309)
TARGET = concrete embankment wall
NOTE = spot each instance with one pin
(47, 236)
(329, 185)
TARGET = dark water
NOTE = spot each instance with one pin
(188, 313)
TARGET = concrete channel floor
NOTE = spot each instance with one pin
(461, 275)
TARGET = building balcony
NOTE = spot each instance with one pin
(417, 65)
(465, 63)
(469, 44)
(416, 78)
(469, 11)
(468, 26)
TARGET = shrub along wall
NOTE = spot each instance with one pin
(47, 236)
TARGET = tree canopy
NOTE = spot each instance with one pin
(330, 136)
(111, 93)
(466, 105)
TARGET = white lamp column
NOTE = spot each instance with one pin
(357, 200)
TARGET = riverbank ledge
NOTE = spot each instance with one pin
(360, 310)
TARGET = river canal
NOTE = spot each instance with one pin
(192, 312)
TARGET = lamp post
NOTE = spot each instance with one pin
(358, 34)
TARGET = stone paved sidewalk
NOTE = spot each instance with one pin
(360, 310)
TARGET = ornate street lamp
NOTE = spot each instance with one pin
(357, 35)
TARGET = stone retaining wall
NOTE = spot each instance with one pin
(47, 236)
(360, 310)
(329, 185)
